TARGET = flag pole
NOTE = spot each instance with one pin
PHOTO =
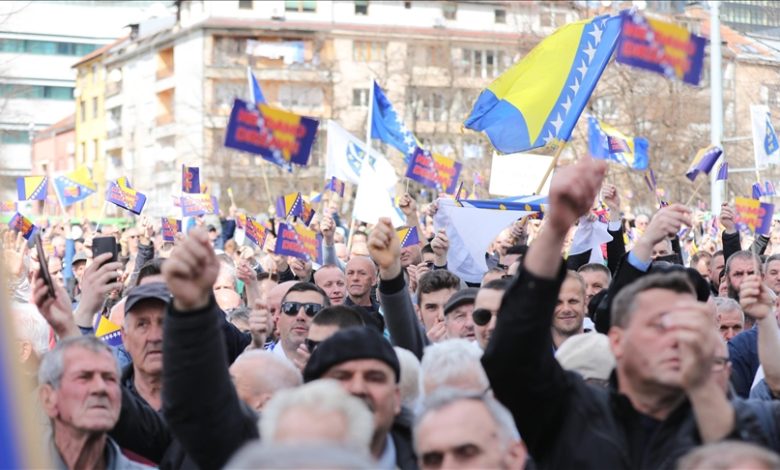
(550, 168)
(695, 192)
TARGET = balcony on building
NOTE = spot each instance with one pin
(278, 58)
(165, 63)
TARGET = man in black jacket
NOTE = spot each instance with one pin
(664, 400)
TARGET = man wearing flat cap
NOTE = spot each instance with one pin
(458, 321)
(366, 365)
(142, 334)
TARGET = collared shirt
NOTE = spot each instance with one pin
(387, 459)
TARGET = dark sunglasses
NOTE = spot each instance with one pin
(481, 316)
(292, 308)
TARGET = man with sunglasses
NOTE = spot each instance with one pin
(298, 307)
(486, 306)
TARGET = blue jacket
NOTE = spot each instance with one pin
(743, 352)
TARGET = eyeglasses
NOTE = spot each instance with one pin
(292, 308)
(481, 316)
(311, 344)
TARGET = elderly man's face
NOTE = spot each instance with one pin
(142, 334)
(88, 398)
(463, 434)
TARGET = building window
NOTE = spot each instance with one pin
(545, 19)
(429, 56)
(361, 7)
(360, 97)
(83, 110)
(449, 10)
(8, 136)
(31, 46)
(94, 107)
(481, 63)
(245, 4)
(368, 51)
(408, 5)
(500, 16)
(300, 5)
(38, 92)
(165, 65)
(300, 96)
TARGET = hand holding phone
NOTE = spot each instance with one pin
(102, 245)
(44, 265)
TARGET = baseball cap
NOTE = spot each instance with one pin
(152, 290)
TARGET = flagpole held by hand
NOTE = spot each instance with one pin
(696, 191)
(550, 168)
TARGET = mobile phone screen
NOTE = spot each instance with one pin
(44, 264)
(102, 245)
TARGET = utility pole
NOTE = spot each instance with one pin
(716, 101)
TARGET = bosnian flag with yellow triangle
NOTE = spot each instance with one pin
(75, 186)
(108, 331)
(32, 188)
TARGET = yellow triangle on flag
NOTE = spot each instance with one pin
(82, 176)
(105, 326)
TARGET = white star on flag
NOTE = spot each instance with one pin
(596, 33)
(557, 123)
(583, 69)
(576, 86)
(590, 51)
(567, 104)
(549, 138)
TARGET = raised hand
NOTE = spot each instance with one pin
(572, 192)
(299, 267)
(408, 206)
(328, 229)
(728, 218)
(14, 251)
(259, 323)
(756, 298)
(692, 324)
(191, 271)
(385, 248)
(440, 245)
(438, 332)
(99, 279)
(56, 310)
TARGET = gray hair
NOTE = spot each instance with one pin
(727, 455)
(30, 325)
(322, 395)
(262, 456)
(625, 301)
(411, 375)
(53, 365)
(727, 304)
(276, 372)
(454, 360)
(445, 397)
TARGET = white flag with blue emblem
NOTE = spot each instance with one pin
(345, 158)
(765, 144)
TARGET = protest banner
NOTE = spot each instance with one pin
(754, 214)
(255, 232)
(125, 197)
(447, 172)
(422, 169)
(298, 241)
(22, 224)
(664, 48)
(278, 136)
(170, 227)
(198, 204)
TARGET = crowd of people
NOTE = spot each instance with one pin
(666, 354)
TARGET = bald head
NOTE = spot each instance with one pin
(258, 374)
(227, 299)
(361, 276)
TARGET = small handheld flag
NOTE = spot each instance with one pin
(335, 185)
(607, 143)
(32, 188)
(289, 205)
(723, 171)
(757, 191)
(75, 186)
(769, 188)
(108, 331)
(190, 179)
(255, 93)
(255, 232)
(408, 236)
(704, 161)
